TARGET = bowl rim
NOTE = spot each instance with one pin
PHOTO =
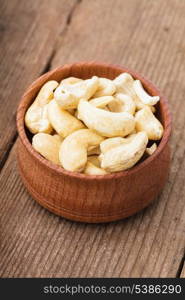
(22, 107)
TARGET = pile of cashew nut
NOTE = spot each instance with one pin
(94, 126)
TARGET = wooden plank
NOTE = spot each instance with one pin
(37, 243)
(151, 243)
(140, 35)
(28, 31)
(182, 275)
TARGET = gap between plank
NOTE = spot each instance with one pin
(69, 18)
(71, 13)
(46, 68)
(15, 135)
(179, 271)
(9, 148)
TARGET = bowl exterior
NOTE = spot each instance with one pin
(97, 200)
(92, 199)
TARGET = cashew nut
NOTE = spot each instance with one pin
(125, 84)
(46, 92)
(101, 102)
(62, 121)
(126, 155)
(57, 137)
(133, 132)
(143, 95)
(36, 118)
(91, 169)
(110, 143)
(106, 87)
(73, 151)
(151, 149)
(104, 122)
(115, 133)
(70, 80)
(122, 103)
(146, 121)
(48, 146)
(69, 95)
(141, 105)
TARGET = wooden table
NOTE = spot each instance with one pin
(38, 35)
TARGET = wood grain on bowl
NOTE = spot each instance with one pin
(92, 198)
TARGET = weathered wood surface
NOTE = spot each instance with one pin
(182, 275)
(147, 36)
(29, 31)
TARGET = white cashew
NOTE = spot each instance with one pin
(73, 151)
(69, 95)
(48, 146)
(62, 121)
(57, 137)
(146, 121)
(101, 102)
(91, 169)
(115, 133)
(125, 84)
(126, 155)
(122, 103)
(110, 143)
(133, 132)
(36, 118)
(141, 105)
(143, 95)
(104, 122)
(151, 149)
(70, 80)
(106, 87)
(46, 92)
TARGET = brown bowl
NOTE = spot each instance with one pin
(85, 198)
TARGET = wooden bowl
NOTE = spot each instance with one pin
(85, 198)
